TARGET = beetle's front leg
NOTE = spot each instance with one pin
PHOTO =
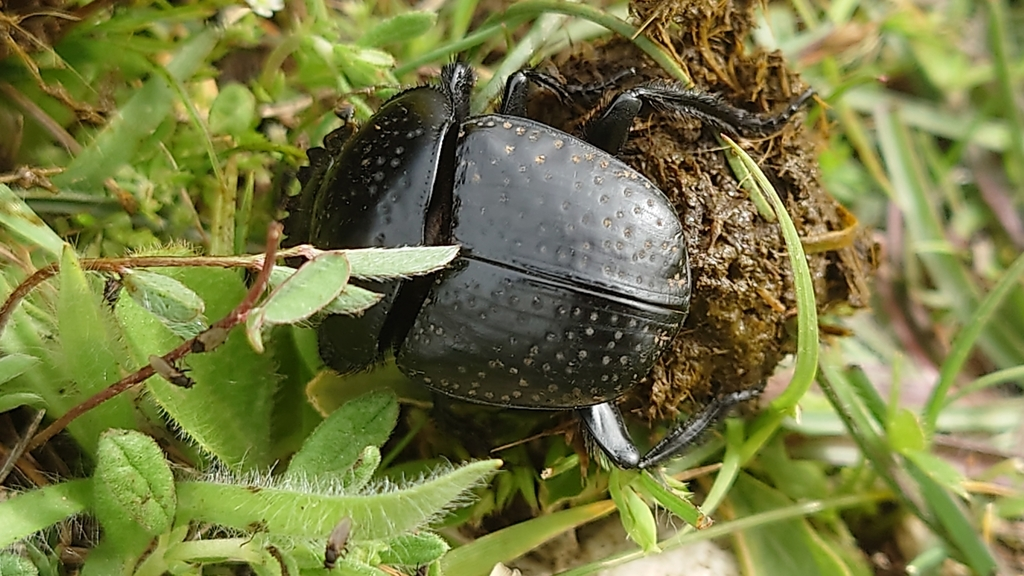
(690, 431)
(513, 101)
(300, 206)
(609, 132)
(604, 423)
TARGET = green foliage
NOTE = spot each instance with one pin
(327, 453)
(132, 486)
(188, 147)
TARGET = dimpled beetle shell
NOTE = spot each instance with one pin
(374, 191)
(573, 275)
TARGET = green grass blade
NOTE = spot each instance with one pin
(965, 339)
(999, 341)
(478, 557)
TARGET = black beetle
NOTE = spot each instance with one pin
(573, 276)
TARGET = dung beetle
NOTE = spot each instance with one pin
(573, 275)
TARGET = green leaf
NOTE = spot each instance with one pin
(636, 515)
(398, 29)
(385, 263)
(787, 547)
(958, 529)
(414, 549)
(287, 512)
(672, 500)
(27, 513)
(22, 222)
(90, 350)
(939, 470)
(233, 111)
(308, 290)
(352, 300)
(16, 399)
(905, 432)
(359, 475)
(14, 565)
(14, 365)
(479, 556)
(337, 442)
(133, 483)
(228, 411)
(359, 58)
(347, 567)
(177, 306)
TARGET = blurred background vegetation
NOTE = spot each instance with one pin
(177, 129)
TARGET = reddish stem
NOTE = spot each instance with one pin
(233, 318)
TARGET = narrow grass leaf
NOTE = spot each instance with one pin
(807, 311)
(746, 180)
(1001, 340)
(334, 447)
(955, 525)
(939, 470)
(1001, 41)
(133, 485)
(478, 557)
(27, 513)
(385, 263)
(535, 8)
(482, 34)
(300, 514)
(150, 105)
(308, 290)
(965, 339)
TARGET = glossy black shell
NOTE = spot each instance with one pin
(573, 275)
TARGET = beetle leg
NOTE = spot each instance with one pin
(604, 423)
(609, 132)
(300, 206)
(337, 137)
(457, 80)
(513, 100)
(687, 433)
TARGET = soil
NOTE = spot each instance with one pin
(742, 314)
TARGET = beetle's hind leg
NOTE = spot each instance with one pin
(685, 434)
(609, 132)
